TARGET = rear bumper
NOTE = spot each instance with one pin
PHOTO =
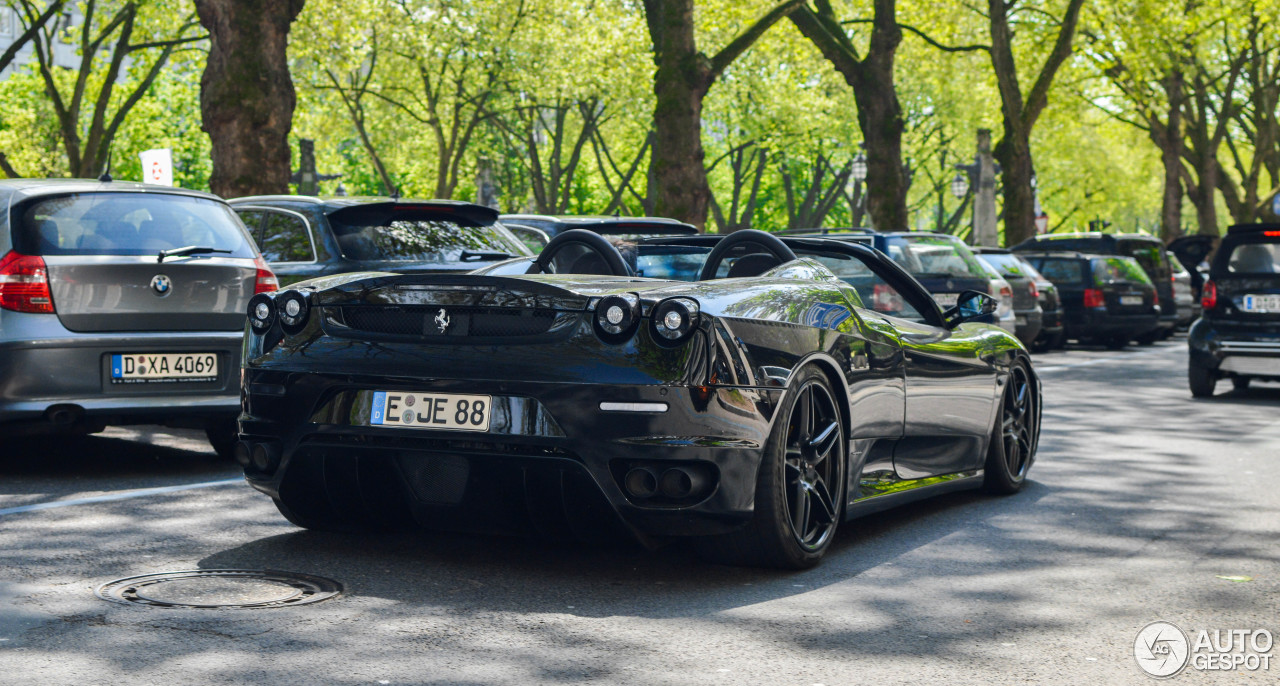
(549, 455)
(1100, 324)
(1234, 351)
(61, 368)
(1028, 324)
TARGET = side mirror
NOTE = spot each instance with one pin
(969, 306)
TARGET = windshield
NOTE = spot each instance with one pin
(1009, 264)
(128, 224)
(1061, 271)
(1149, 254)
(1107, 269)
(937, 256)
(409, 238)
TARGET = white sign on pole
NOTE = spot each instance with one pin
(157, 167)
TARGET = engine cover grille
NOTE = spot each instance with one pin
(431, 321)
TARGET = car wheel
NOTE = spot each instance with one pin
(1059, 341)
(1202, 381)
(1116, 342)
(222, 436)
(800, 485)
(1014, 437)
(1240, 383)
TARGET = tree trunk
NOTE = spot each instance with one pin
(246, 94)
(678, 180)
(879, 111)
(1019, 116)
(1167, 136)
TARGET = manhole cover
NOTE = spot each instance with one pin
(220, 588)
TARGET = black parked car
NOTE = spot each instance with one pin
(752, 412)
(303, 237)
(1107, 299)
(536, 229)
(1147, 250)
(121, 303)
(1238, 333)
(943, 264)
(1028, 314)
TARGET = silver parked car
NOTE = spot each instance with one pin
(122, 303)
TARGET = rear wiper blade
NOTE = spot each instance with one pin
(188, 250)
(485, 255)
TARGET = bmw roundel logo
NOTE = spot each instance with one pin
(161, 284)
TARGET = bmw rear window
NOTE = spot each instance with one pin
(376, 237)
(123, 223)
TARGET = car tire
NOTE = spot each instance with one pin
(223, 436)
(1240, 383)
(1015, 435)
(1115, 342)
(799, 487)
(1059, 341)
(1202, 381)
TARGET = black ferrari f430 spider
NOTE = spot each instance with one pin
(746, 392)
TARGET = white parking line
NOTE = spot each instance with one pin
(125, 495)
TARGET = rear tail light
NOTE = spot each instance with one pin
(674, 320)
(1035, 292)
(1155, 298)
(266, 280)
(24, 284)
(1209, 297)
(1093, 297)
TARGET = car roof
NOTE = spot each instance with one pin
(605, 224)
(478, 214)
(1069, 254)
(1050, 237)
(825, 231)
(33, 188)
(987, 250)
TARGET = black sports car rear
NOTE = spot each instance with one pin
(565, 395)
(1238, 334)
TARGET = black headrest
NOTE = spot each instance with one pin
(754, 264)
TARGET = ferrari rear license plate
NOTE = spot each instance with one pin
(1130, 300)
(163, 367)
(946, 299)
(1261, 303)
(442, 411)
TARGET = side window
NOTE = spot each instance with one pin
(876, 292)
(286, 238)
(253, 221)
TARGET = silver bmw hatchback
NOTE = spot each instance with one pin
(122, 303)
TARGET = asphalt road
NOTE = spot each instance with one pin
(1140, 502)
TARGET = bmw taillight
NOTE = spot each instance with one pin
(1209, 295)
(266, 280)
(24, 284)
(1093, 297)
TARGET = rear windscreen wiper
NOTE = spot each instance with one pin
(485, 255)
(188, 250)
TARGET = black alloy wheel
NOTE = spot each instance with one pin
(800, 489)
(810, 475)
(1013, 442)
